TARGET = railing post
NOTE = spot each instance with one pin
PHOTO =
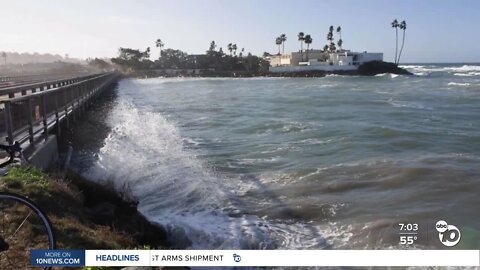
(57, 120)
(30, 121)
(8, 122)
(79, 99)
(44, 116)
(84, 97)
(72, 91)
(80, 107)
(66, 107)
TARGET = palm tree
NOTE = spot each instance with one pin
(212, 46)
(230, 48)
(284, 38)
(403, 26)
(340, 41)
(241, 52)
(301, 38)
(308, 41)
(396, 25)
(4, 55)
(332, 47)
(278, 41)
(234, 48)
(146, 53)
(330, 36)
(159, 44)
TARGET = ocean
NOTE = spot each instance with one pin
(294, 163)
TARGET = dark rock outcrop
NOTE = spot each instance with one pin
(368, 69)
(379, 67)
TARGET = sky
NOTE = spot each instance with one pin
(438, 31)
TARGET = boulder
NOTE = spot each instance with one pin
(378, 67)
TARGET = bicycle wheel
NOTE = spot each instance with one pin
(23, 227)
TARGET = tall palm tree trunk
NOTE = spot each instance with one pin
(401, 48)
(308, 47)
(396, 44)
(283, 47)
(301, 49)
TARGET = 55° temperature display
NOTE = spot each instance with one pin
(408, 233)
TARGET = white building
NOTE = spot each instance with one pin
(312, 60)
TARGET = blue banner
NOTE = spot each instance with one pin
(57, 257)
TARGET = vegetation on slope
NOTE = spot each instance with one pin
(85, 215)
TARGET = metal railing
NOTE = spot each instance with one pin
(35, 77)
(30, 117)
(25, 89)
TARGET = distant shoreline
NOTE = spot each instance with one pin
(367, 69)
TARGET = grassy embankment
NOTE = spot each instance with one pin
(85, 215)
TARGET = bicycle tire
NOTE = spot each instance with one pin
(39, 212)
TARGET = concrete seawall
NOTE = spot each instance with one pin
(43, 154)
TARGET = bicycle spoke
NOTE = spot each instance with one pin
(20, 226)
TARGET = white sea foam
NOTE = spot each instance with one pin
(192, 141)
(423, 69)
(412, 66)
(469, 74)
(420, 73)
(294, 127)
(458, 84)
(393, 76)
(407, 104)
(145, 153)
(464, 68)
(463, 74)
(426, 69)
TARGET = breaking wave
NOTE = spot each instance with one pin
(464, 70)
(145, 155)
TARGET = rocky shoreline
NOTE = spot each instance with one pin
(110, 208)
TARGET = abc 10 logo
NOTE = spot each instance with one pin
(449, 235)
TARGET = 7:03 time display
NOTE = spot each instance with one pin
(408, 227)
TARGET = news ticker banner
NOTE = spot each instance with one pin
(211, 258)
